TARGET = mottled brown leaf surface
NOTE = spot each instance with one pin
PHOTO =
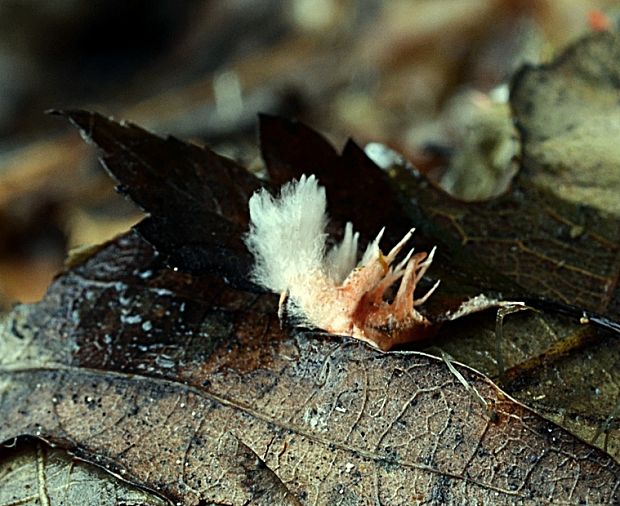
(163, 378)
(32, 474)
(543, 245)
(524, 244)
(556, 235)
(569, 119)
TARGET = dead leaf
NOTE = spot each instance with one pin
(567, 113)
(549, 241)
(196, 216)
(31, 474)
(149, 372)
(331, 418)
(518, 246)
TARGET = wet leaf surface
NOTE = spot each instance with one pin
(164, 379)
(555, 235)
(190, 388)
(185, 383)
(32, 473)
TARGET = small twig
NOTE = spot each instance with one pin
(505, 309)
(583, 316)
(489, 410)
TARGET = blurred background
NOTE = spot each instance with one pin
(426, 78)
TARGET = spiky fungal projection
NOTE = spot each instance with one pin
(331, 290)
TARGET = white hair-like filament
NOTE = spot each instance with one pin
(287, 234)
(331, 289)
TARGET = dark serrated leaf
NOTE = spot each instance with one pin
(357, 190)
(196, 200)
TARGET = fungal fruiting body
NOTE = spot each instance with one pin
(331, 290)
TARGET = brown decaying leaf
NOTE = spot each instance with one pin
(154, 374)
(32, 474)
(528, 236)
(481, 264)
(546, 244)
(567, 114)
(196, 216)
(354, 407)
